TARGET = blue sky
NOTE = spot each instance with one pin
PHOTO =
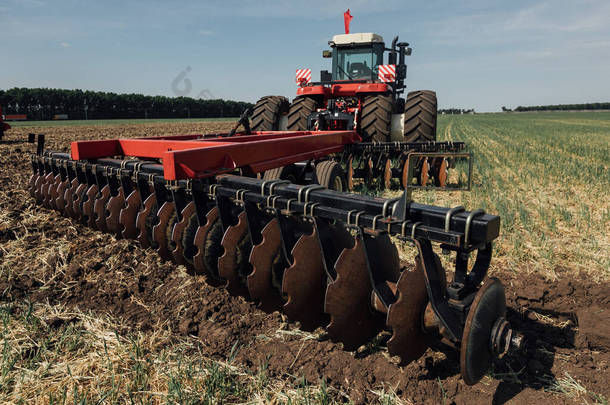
(475, 54)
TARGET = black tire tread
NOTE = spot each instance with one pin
(267, 113)
(376, 118)
(420, 116)
(300, 109)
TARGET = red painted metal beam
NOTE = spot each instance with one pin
(189, 156)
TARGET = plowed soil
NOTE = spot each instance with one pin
(566, 321)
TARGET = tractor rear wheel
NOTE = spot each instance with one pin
(376, 118)
(300, 109)
(420, 116)
(267, 113)
(331, 175)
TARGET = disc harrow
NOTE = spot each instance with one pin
(325, 258)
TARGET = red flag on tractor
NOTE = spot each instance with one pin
(347, 18)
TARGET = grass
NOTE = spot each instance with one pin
(61, 123)
(55, 355)
(547, 176)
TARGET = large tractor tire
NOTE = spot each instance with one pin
(420, 116)
(330, 175)
(376, 118)
(300, 109)
(267, 113)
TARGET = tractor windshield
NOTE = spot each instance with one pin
(357, 63)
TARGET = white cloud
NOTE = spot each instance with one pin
(206, 33)
(65, 44)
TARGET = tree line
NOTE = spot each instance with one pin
(43, 104)
(561, 107)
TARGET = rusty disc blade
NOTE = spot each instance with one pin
(69, 198)
(442, 173)
(178, 233)
(166, 215)
(38, 189)
(77, 200)
(60, 203)
(405, 316)
(208, 238)
(113, 211)
(46, 190)
(231, 264)
(53, 191)
(129, 214)
(88, 205)
(348, 300)
(266, 258)
(99, 208)
(145, 219)
(425, 172)
(304, 282)
(387, 174)
(32, 184)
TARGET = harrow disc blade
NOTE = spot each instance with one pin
(32, 184)
(46, 190)
(442, 175)
(113, 211)
(350, 172)
(162, 231)
(405, 316)
(348, 300)
(233, 264)
(207, 241)
(425, 172)
(69, 198)
(145, 220)
(387, 174)
(187, 214)
(77, 200)
(304, 282)
(38, 189)
(99, 208)
(60, 202)
(53, 191)
(88, 205)
(129, 214)
(266, 258)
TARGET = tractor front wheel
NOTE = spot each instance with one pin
(376, 118)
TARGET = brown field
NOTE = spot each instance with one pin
(87, 318)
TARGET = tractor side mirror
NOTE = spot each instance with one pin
(325, 76)
(327, 54)
(409, 51)
(392, 58)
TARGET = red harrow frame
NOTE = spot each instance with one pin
(326, 258)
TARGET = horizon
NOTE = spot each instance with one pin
(479, 55)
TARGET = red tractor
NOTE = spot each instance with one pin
(362, 93)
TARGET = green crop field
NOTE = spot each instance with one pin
(547, 175)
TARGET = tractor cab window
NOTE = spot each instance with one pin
(357, 63)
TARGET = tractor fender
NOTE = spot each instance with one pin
(313, 91)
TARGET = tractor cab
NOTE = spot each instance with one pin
(356, 56)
